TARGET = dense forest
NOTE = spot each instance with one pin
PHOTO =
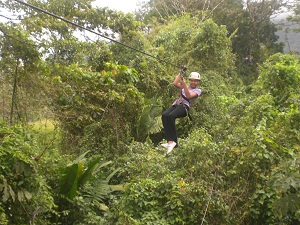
(82, 93)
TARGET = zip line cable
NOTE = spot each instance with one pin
(82, 27)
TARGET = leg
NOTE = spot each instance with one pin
(168, 120)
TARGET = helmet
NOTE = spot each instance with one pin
(194, 75)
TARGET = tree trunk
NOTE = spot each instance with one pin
(13, 97)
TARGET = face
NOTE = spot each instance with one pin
(193, 83)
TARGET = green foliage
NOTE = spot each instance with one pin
(253, 33)
(84, 191)
(211, 46)
(20, 65)
(3, 219)
(262, 138)
(169, 201)
(285, 181)
(98, 55)
(249, 25)
(76, 175)
(149, 121)
(237, 161)
(161, 193)
(219, 105)
(22, 184)
(203, 45)
(262, 206)
(280, 76)
(92, 103)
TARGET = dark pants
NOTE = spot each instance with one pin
(168, 120)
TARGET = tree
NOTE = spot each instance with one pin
(20, 61)
(253, 34)
(93, 107)
(296, 17)
(280, 77)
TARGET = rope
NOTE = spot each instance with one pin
(82, 27)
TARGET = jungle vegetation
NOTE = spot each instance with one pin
(80, 125)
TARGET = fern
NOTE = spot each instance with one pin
(149, 121)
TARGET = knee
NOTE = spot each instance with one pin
(167, 116)
(164, 117)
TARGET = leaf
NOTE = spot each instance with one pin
(116, 187)
(103, 165)
(28, 195)
(88, 172)
(112, 174)
(6, 195)
(23, 167)
(69, 182)
(20, 195)
(12, 193)
(81, 157)
(103, 207)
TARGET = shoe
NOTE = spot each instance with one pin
(166, 145)
(171, 146)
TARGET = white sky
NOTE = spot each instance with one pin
(121, 5)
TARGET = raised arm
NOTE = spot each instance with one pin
(177, 81)
(188, 94)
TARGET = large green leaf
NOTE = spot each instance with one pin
(69, 184)
(88, 172)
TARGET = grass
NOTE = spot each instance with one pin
(45, 126)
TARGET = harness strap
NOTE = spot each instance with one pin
(187, 109)
(185, 98)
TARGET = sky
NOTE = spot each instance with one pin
(121, 5)
(125, 6)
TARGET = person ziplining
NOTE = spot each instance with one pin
(180, 107)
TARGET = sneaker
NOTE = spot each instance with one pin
(166, 145)
(171, 146)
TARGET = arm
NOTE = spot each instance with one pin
(178, 82)
(188, 94)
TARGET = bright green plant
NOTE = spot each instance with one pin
(76, 175)
(84, 191)
(149, 121)
(264, 135)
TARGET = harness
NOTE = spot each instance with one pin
(187, 109)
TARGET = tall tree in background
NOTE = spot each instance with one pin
(250, 21)
(62, 42)
(19, 70)
(296, 17)
(36, 34)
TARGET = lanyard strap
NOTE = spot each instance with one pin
(185, 98)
